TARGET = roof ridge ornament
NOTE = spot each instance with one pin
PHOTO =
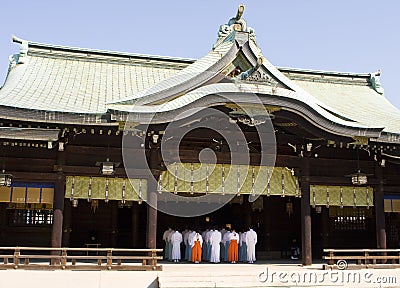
(244, 75)
(256, 74)
(235, 24)
(374, 78)
(23, 51)
(238, 23)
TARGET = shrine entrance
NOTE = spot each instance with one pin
(275, 219)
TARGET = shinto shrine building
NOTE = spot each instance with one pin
(101, 146)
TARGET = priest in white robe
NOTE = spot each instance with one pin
(251, 241)
(189, 248)
(176, 240)
(215, 241)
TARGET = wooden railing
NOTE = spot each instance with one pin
(79, 258)
(342, 258)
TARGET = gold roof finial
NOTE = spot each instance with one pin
(240, 12)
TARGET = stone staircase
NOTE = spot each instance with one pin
(210, 275)
(252, 276)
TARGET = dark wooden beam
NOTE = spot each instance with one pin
(392, 189)
(100, 151)
(34, 176)
(152, 198)
(304, 127)
(305, 213)
(14, 164)
(95, 171)
(345, 181)
(379, 210)
(58, 205)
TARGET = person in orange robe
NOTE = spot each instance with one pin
(196, 242)
(233, 247)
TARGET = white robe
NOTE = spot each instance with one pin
(193, 238)
(234, 236)
(169, 243)
(215, 239)
(225, 237)
(176, 240)
(251, 241)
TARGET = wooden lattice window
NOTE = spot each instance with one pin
(20, 217)
(350, 223)
(393, 234)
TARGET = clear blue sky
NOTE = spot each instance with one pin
(342, 35)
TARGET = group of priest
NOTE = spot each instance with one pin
(210, 245)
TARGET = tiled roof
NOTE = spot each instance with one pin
(360, 103)
(80, 81)
(83, 81)
(183, 77)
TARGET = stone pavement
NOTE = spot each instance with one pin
(260, 274)
(77, 279)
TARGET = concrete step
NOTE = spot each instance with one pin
(229, 284)
(220, 278)
(210, 284)
(215, 273)
(225, 276)
(210, 269)
(209, 279)
(206, 284)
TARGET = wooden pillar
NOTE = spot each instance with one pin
(152, 219)
(3, 221)
(58, 207)
(152, 199)
(67, 224)
(379, 210)
(135, 225)
(306, 213)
